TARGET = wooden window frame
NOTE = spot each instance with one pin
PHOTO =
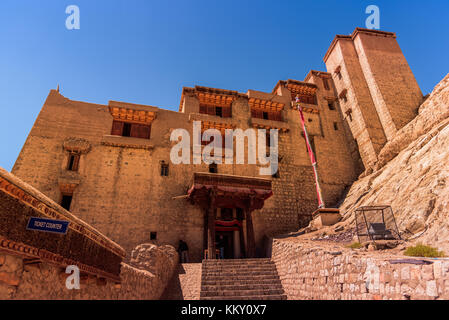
(164, 169)
(266, 114)
(326, 83)
(349, 114)
(338, 72)
(307, 99)
(73, 165)
(226, 111)
(131, 129)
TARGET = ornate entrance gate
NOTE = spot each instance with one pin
(213, 191)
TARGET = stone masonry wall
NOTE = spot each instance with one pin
(325, 272)
(45, 281)
(365, 124)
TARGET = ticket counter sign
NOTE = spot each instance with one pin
(48, 225)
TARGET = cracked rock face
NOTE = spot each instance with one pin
(413, 175)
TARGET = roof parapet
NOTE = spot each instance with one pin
(357, 31)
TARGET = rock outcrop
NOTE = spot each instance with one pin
(161, 261)
(413, 175)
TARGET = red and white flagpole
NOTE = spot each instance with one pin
(311, 155)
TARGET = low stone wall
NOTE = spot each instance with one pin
(185, 283)
(19, 280)
(321, 271)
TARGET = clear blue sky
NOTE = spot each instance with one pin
(144, 51)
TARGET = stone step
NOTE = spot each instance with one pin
(242, 273)
(264, 297)
(237, 278)
(243, 279)
(257, 260)
(240, 282)
(238, 286)
(237, 293)
(262, 267)
(239, 264)
(235, 262)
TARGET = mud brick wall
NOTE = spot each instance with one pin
(119, 189)
(324, 272)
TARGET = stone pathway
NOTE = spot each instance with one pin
(185, 284)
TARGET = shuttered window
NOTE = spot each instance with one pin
(127, 129)
(117, 128)
(267, 115)
(309, 99)
(223, 112)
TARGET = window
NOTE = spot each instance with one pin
(153, 235)
(349, 114)
(307, 98)
(326, 83)
(330, 104)
(128, 129)
(164, 169)
(266, 115)
(268, 139)
(66, 201)
(220, 111)
(343, 94)
(338, 72)
(213, 168)
(335, 126)
(312, 144)
(73, 162)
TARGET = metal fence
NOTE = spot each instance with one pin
(376, 223)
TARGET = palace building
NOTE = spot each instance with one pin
(110, 164)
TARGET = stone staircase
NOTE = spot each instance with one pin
(240, 279)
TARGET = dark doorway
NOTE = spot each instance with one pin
(225, 240)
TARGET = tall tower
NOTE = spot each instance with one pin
(377, 90)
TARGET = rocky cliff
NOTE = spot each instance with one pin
(413, 175)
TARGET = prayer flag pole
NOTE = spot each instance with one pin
(311, 155)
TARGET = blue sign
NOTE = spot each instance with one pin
(48, 225)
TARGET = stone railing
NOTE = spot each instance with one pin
(321, 271)
(33, 263)
(82, 245)
(24, 281)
